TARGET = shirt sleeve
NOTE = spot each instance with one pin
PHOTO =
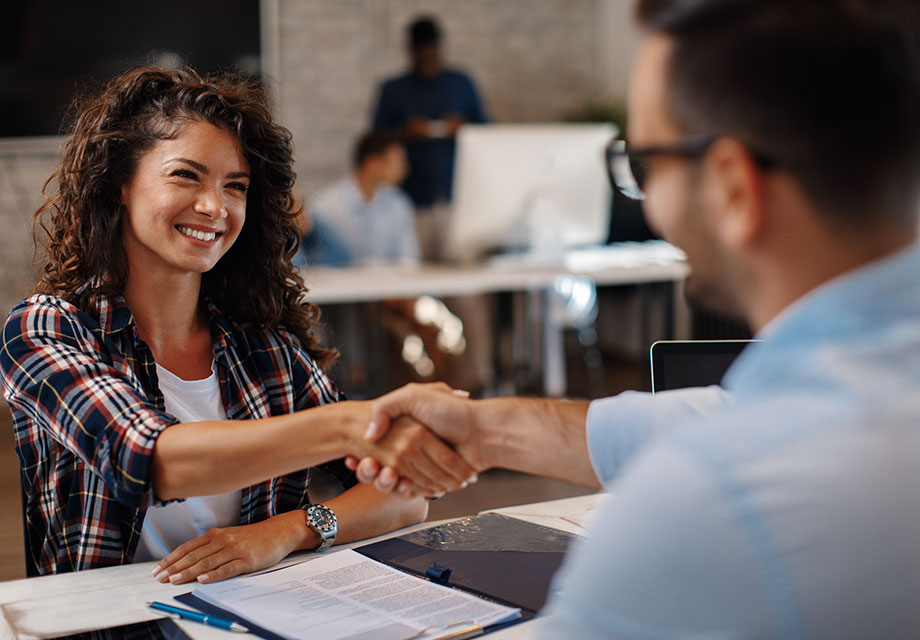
(621, 426)
(667, 556)
(53, 373)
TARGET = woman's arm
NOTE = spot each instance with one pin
(207, 458)
(362, 512)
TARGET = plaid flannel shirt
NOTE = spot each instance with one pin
(87, 411)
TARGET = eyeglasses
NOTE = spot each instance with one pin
(627, 168)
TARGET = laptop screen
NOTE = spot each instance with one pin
(677, 364)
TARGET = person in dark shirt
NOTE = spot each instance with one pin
(426, 106)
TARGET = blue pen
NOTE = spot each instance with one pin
(195, 616)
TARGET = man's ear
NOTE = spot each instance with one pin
(737, 192)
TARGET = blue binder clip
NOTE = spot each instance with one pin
(438, 572)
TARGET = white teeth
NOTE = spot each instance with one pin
(206, 236)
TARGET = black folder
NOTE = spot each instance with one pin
(492, 556)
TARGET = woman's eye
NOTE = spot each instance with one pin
(239, 186)
(184, 173)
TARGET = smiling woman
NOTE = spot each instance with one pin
(166, 388)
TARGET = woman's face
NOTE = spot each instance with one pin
(186, 203)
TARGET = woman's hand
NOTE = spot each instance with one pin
(223, 553)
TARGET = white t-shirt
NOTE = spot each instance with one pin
(167, 526)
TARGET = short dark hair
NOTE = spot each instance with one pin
(373, 143)
(424, 31)
(829, 90)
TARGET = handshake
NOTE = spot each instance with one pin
(420, 440)
(429, 439)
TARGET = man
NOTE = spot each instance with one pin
(791, 510)
(365, 213)
(426, 106)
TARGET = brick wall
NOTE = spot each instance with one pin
(534, 60)
(24, 168)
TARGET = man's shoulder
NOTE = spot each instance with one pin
(396, 82)
(334, 197)
(394, 199)
(457, 75)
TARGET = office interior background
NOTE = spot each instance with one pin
(535, 61)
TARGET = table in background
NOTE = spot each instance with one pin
(100, 598)
(628, 263)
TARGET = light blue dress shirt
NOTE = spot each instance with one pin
(382, 230)
(792, 510)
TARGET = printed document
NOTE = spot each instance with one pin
(346, 596)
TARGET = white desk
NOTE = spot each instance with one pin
(621, 264)
(628, 263)
(86, 600)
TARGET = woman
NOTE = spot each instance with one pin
(166, 354)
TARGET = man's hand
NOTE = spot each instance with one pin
(224, 553)
(453, 123)
(417, 128)
(445, 411)
(428, 466)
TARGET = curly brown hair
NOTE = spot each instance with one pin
(254, 282)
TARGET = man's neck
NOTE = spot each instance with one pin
(367, 185)
(792, 279)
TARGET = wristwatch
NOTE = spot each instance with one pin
(322, 520)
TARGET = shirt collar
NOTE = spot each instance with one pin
(223, 328)
(840, 309)
(114, 314)
(115, 317)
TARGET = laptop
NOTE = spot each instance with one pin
(677, 364)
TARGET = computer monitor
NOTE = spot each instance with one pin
(540, 188)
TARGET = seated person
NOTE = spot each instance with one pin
(319, 244)
(165, 384)
(365, 217)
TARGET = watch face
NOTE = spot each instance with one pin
(322, 517)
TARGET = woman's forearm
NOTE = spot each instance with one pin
(212, 457)
(364, 512)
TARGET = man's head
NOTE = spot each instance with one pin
(811, 107)
(381, 158)
(425, 47)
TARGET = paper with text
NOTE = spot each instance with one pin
(346, 596)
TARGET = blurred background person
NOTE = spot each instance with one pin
(426, 106)
(319, 244)
(365, 216)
